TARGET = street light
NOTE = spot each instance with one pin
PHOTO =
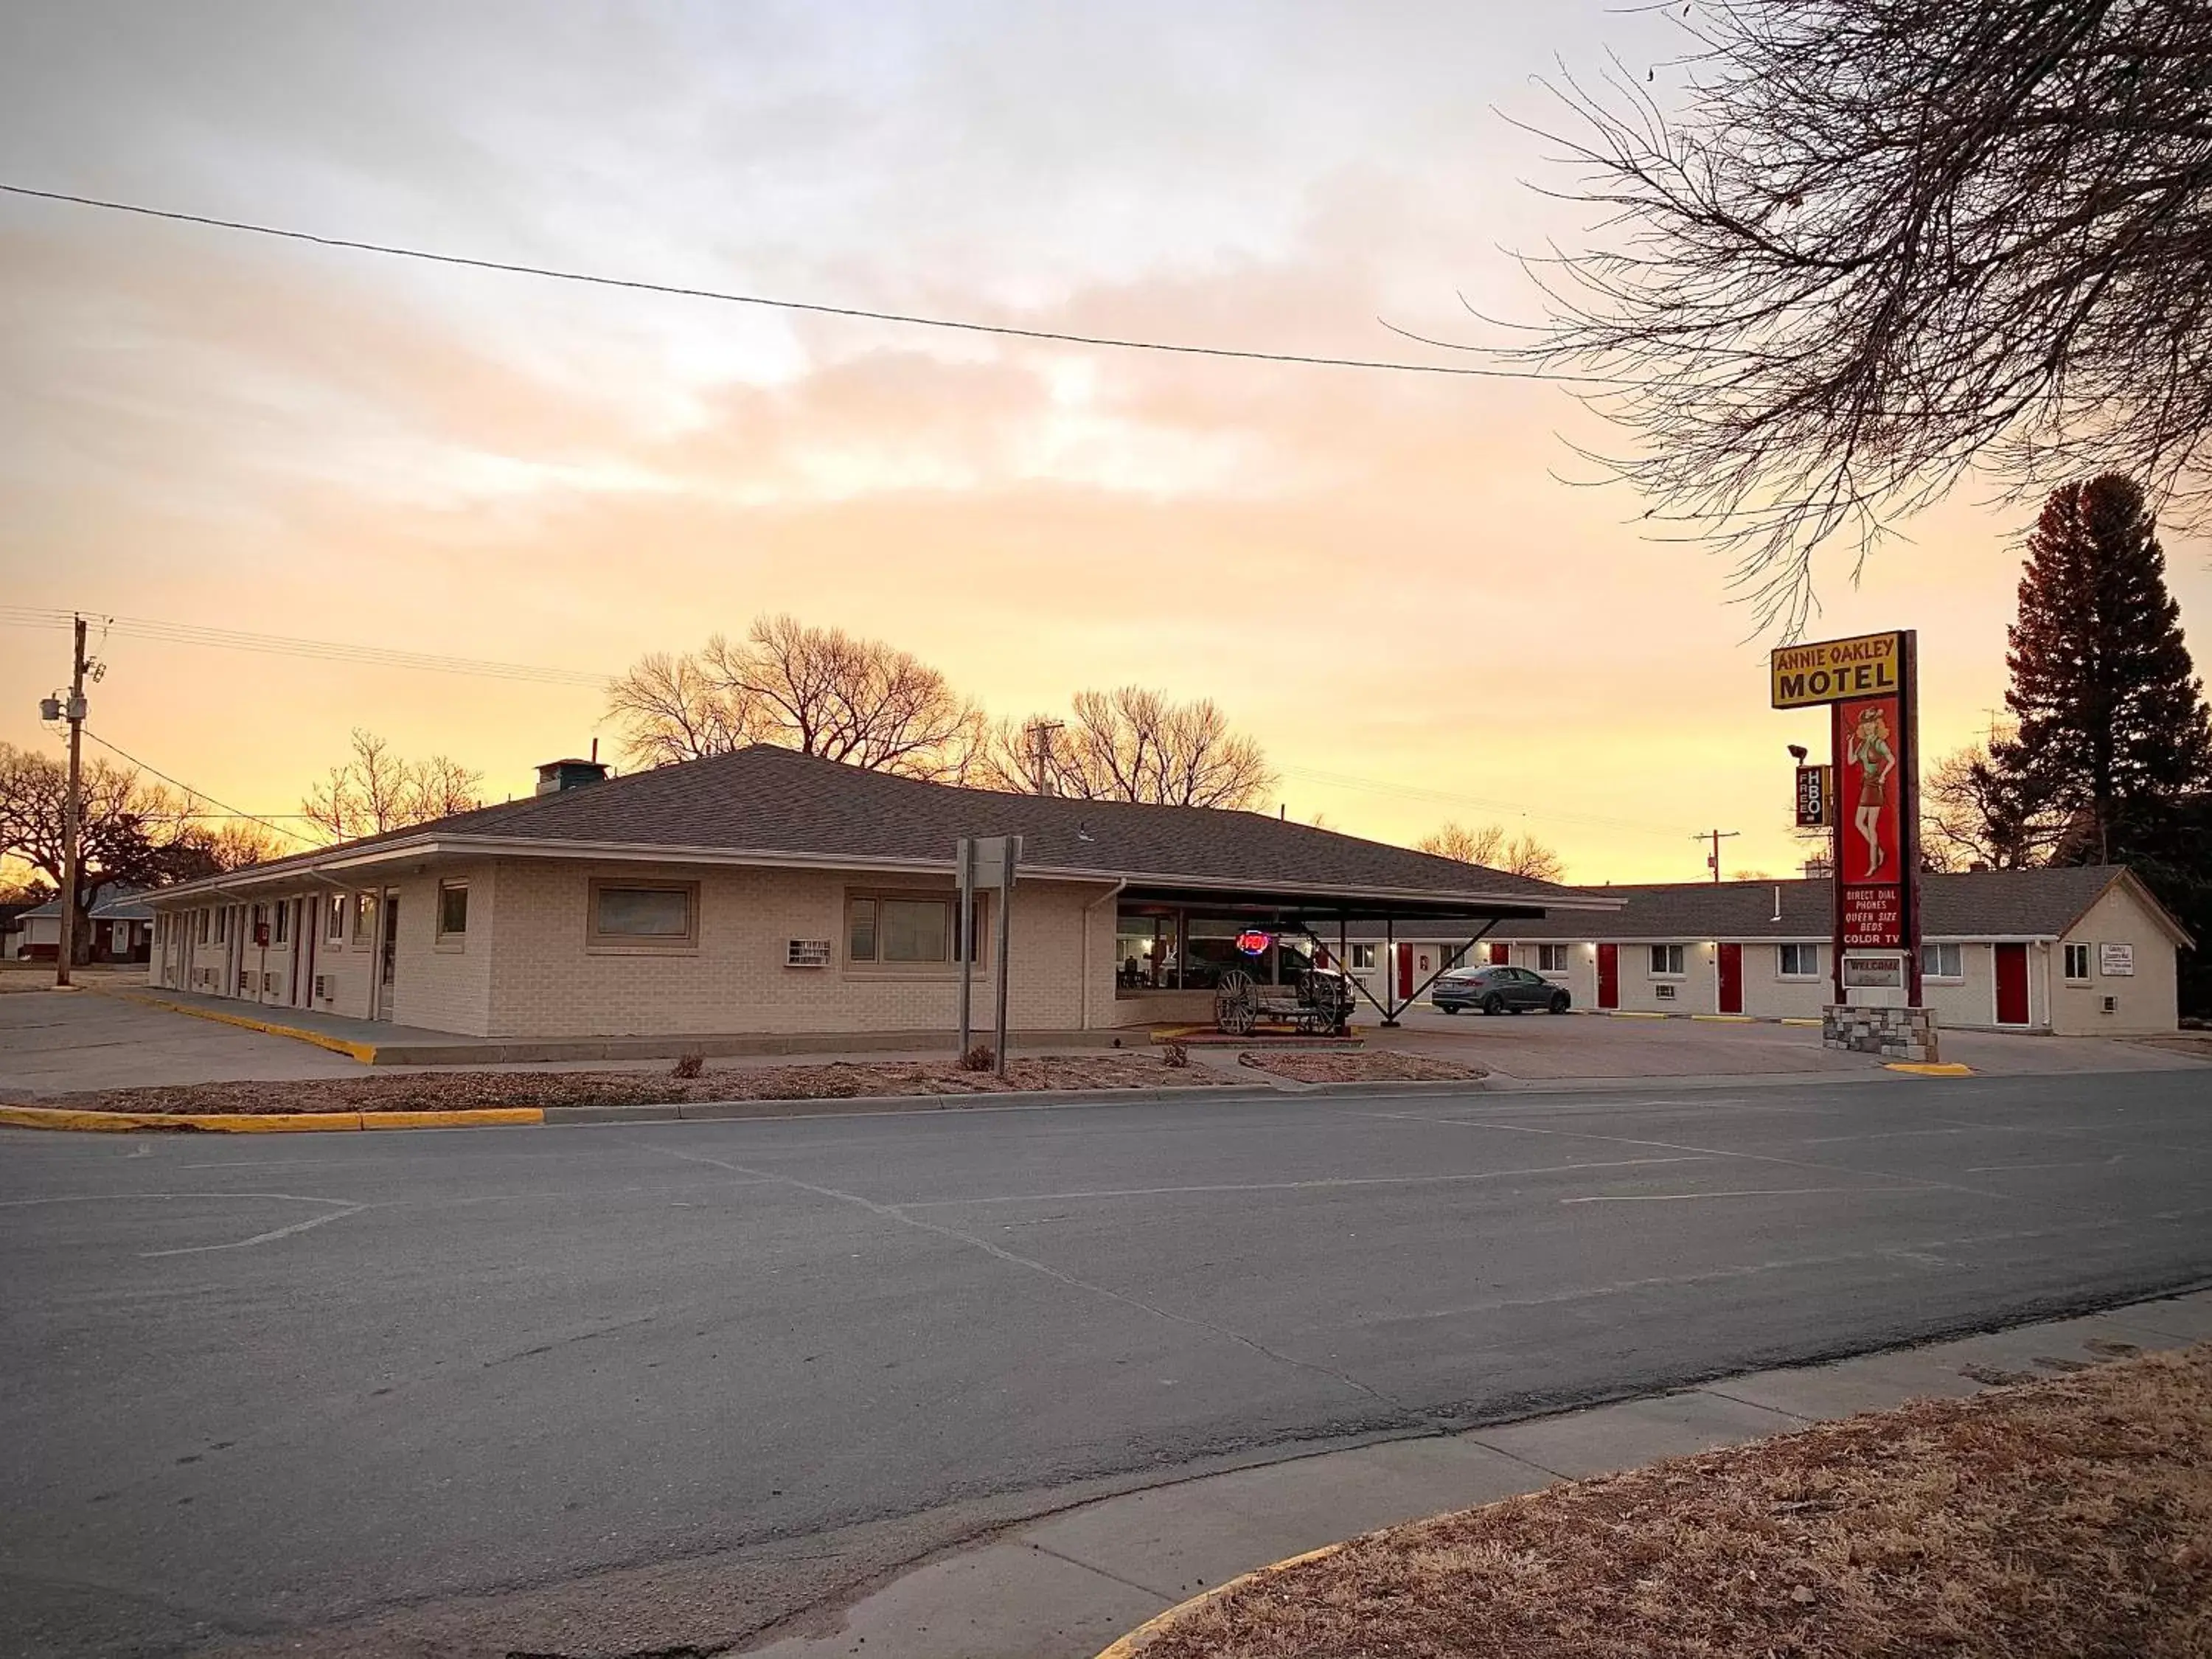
(1797, 752)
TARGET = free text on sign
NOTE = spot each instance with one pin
(1828, 671)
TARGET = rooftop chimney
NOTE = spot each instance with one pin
(556, 776)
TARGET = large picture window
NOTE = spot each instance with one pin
(895, 930)
(645, 914)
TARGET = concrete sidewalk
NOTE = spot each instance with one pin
(1066, 1586)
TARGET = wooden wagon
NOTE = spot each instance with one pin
(1317, 1001)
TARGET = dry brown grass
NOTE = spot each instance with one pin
(459, 1090)
(1376, 1065)
(2065, 1517)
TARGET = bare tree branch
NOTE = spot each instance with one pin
(1888, 241)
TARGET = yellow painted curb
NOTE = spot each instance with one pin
(363, 1052)
(1791, 1019)
(264, 1123)
(477, 1117)
(1158, 1623)
(1920, 1068)
(1635, 1013)
(1725, 1019)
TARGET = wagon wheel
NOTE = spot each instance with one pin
(1236, 1002)
(1331, 998)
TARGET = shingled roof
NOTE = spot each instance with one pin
(1978, 904)
(781, 807)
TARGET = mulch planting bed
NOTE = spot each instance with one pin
(1377, 1066)
(445, 1092)
(2062, 1517)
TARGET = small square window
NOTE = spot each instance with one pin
(1362, 957)
(1798, 961)
(453, 908)
(1942, 962)
(334, 922)
(2077, 963)
(1667, 961)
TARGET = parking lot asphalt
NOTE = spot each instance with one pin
(612, 1390)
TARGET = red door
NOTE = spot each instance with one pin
(1731, 965)
(1501, 952)
(1405, 972)
(1608, 976)
(2012, 984)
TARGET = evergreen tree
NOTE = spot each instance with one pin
(2113, 731)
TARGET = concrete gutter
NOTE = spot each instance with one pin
(263, 1123)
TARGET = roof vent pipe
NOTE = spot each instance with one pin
(1777, 902)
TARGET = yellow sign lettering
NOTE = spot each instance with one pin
(1832, 670)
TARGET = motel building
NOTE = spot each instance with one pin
(770, 896)
(2078, 951)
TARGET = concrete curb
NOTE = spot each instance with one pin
(688, 1111)
(251, 1123)
(1159, 1622)
(365, 1052)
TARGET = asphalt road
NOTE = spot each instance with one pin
(595, 1390)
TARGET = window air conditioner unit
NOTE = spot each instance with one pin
(269, 982)
(322, 987)
(1666, 993)
(2111, 1004)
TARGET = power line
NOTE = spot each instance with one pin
(197, 794)
(226, 639)
(556, 274)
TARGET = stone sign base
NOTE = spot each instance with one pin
(1893, 1033)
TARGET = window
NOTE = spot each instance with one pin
(223, 924)
(453, 908)
(1551, 958)
(1362, 957)
(283, 921)
(1798, 961)
(2077, 963)
(207, 920)
(1666, 960)
(661, 915)
(901, 930)
(1942, 962)
(364, 920)
(334, 923)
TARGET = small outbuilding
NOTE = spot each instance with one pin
(769, 892)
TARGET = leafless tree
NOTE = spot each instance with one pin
(1884, 241)
(376, 791)
(1973, 813)
(1131, 745)
(1491, 846)
(820, 690)
(131, 833)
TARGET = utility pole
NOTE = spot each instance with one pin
(72, 811)
(1041, 753)
(1716, 836)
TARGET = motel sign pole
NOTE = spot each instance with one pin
(1871, 793)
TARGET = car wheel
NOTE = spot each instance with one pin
(1493, 1004)
(1447, 1007)
(1559, 1003)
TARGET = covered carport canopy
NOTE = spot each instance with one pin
(1324, 917)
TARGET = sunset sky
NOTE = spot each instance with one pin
(1384, 577)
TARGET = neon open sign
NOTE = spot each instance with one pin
(1254, 943)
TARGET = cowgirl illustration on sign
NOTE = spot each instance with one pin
(1871, 751)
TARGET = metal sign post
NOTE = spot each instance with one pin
(986, 864)
(963, 933)
(1014, 850)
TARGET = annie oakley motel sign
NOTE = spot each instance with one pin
(1869, 684)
